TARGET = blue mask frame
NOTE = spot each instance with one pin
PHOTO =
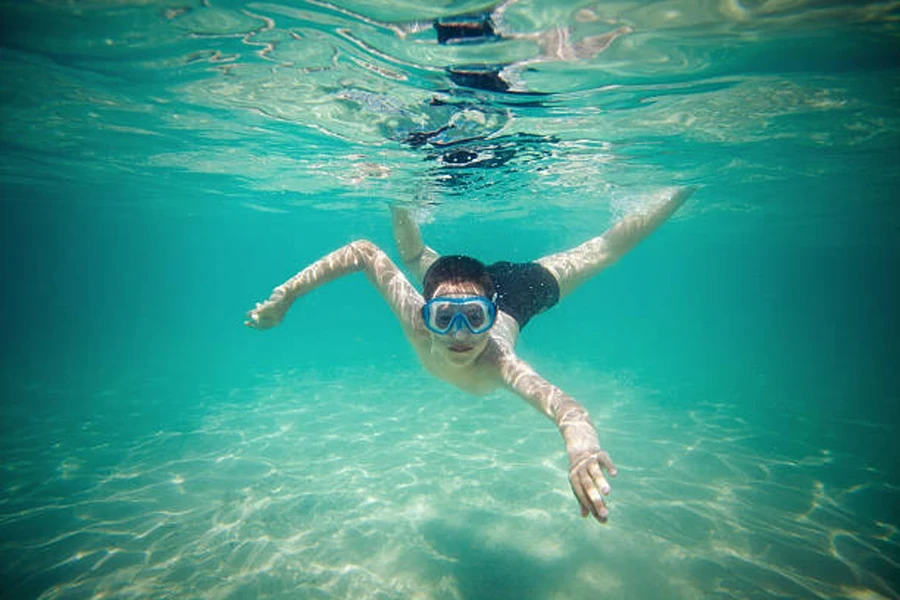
(459, 319)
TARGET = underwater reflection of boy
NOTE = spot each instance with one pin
(465, 325)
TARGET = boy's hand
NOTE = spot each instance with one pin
(266, 315)
(590, 485)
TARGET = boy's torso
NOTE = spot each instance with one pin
(481, 376)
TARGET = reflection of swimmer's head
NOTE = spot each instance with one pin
(458, 157)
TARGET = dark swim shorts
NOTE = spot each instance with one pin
(523, 289)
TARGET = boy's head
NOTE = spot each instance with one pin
(458, 278)
(459, 270)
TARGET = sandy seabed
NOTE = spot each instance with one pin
(371, 485)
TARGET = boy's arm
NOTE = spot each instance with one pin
(575, 266)
(587, 461)
(625, 235)
(415, 254)
(361, 255)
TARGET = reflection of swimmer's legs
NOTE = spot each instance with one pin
(465, 29)
(480, 77)
(572, 268)
(472, 29)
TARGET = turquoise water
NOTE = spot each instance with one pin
(165, 164)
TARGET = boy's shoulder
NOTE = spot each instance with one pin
(504, 335)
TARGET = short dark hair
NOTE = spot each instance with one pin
(457, 269)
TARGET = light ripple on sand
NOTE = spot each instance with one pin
(292, 489)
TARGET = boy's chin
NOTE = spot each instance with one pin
(461, 353)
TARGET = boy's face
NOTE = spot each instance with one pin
(459, 346)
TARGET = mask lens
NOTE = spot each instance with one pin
(443, 319)
(475, 315)
(442, 314)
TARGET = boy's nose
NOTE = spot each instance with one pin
(460, 331)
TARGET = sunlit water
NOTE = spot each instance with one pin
(165, 164)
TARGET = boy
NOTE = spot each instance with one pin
(465, 325)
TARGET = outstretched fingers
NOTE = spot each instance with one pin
(589, 495)
(580, 491)
(597, 478)
(256, 318)
(606, 463)
(265, 316)
(590, 485)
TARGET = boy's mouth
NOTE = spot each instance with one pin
(460, 348)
